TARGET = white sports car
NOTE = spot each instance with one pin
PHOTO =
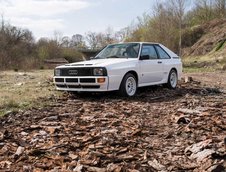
(123, 67)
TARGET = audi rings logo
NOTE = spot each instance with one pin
(73, 72)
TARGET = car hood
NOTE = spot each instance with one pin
(99, 62)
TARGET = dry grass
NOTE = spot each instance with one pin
(205, 63)
(19, 90)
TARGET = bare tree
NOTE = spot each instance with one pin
(220, 6)
(99, 40)
(162, 27)
(77, 41)
(16, 45)
(108, 36)
(65, 42)
(58, 37)
(123, 34)
(204, 10)
(92, 40)
(178, 7)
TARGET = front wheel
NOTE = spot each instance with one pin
(128, 86)
(172, 79)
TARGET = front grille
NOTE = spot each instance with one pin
(72, 80)
(77, 72)
(59, 79)
(82, 71)
(87, 80)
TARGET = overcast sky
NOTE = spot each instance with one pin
(69, 17)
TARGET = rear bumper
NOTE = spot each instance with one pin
(89, 84)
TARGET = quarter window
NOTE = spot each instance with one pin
(162, 53)
(149, 50)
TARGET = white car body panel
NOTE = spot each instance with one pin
(149, 72)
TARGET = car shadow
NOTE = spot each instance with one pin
(149, 94)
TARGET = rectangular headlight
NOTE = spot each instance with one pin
(57, 72)
(98, 71)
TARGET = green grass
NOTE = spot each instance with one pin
(24, 90)
(13, 106)
(198, 59)
(211, 62)
(9, 105)
(197, 70)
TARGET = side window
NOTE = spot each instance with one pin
(162, 53)
(149, 50)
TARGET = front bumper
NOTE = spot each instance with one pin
(89, 84)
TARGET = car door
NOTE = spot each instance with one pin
(165, 59)
(151, 67)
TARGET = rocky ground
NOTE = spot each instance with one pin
(158, 130)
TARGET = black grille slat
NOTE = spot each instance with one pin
(74, 86)
(59, 79)
(72, 80)
(91, 86)
(79, 86)
(61, 86)
(87, 80)
(84, 86)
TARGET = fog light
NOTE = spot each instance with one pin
(100, 80)
(57, 72)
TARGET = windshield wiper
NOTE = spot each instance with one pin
(97, 57)
(113, 57)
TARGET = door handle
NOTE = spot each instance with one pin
(159, 62)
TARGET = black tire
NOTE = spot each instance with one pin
(170, 83)
(123, 90)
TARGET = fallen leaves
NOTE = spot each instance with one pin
(159, 130)
(156, 165)
(19, 152)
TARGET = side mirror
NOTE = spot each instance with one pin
(144, 57)
(91, 58)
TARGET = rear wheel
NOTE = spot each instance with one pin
(172, 79)
(128, 86)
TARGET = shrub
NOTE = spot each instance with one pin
(191, 36)
(72, 55)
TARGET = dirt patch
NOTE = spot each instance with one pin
(212, 79)
(158, 130)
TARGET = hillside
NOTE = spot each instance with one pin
(212, 35)
(209, 45)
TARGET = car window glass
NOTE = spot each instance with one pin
(149, 50)
(128, 50)
(162, 53)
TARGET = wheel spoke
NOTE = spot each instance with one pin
(131, 86)
(173, 79)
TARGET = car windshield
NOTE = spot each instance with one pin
(127, 50)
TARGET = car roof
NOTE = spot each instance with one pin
(137, 43)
